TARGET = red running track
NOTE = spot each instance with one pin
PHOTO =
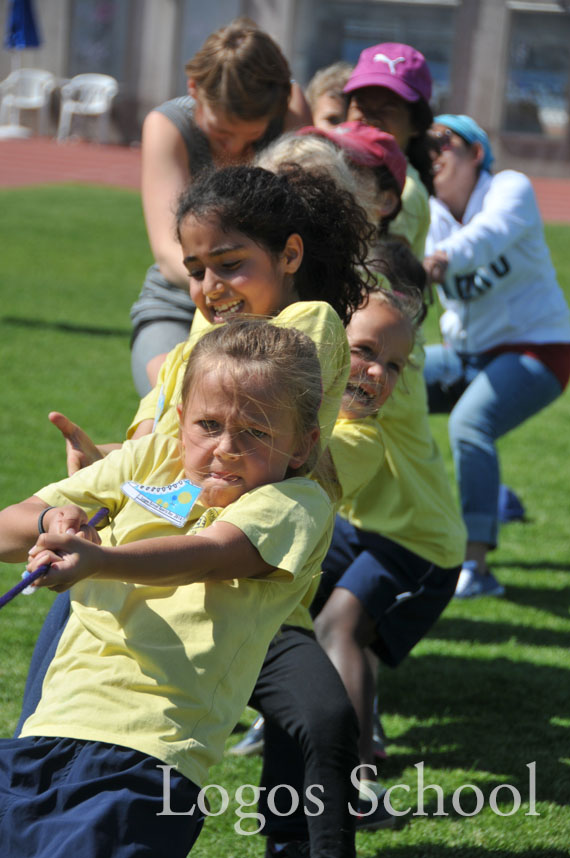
(40, 160)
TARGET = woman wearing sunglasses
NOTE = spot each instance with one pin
(506, 327)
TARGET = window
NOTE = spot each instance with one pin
(98, 39)
(538, 74)
(342, 30)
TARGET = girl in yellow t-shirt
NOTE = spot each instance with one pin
(291, 246)
(399, 539)
(167, 635)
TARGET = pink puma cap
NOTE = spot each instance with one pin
(397, 67)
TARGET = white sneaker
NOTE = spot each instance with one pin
(472, 583)
(252, 742)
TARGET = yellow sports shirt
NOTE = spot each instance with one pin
(317, 319)
(393, 477)
(168, 670)
(412, 222)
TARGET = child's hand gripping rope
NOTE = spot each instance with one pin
(30, 577)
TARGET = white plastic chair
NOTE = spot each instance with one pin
(26, 89)
(87, 95)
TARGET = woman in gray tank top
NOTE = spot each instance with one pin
(240, 98)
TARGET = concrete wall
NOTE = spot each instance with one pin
(53, 17)
(163, 34)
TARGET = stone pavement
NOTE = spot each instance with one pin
(40, 160)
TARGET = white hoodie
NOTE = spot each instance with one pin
(500, 286)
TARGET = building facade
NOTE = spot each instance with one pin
(505, 62)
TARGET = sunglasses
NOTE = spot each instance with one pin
(440, 141)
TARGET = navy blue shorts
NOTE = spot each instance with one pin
(62, 797)
(402, 592)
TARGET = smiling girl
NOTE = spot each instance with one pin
(292, 246)
(381, 337)
(398, 539)
(240, 97)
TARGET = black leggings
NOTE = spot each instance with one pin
(311, 737)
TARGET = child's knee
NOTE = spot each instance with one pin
(339, 619)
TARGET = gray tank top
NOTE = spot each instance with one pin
(180, 111)
(159, 299)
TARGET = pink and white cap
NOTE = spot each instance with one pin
(366, 146)
(395, 66)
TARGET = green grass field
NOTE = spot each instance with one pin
(483, 696)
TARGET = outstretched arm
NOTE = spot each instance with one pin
(165, 174)
(509, 213)
(81, 450)
(19, 526)
(221, 552)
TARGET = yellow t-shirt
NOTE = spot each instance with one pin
(168, 670)
(199, 325)
(317, 319)
(398, 486)
(412, 222)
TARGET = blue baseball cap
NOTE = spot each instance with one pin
(468, 129)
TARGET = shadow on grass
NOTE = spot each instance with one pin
(65, 327)
(437, 851)
(554, 601)
(535, 566)
(497, 715)
(483, 631)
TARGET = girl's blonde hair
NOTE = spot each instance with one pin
(317, 154)
(408, 304)
(284, 360)
(311, 152)
(241, 70)
(328, 81)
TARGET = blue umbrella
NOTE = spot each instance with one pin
(21, 30)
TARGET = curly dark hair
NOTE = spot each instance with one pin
(269, 207)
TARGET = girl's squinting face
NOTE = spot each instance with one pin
(234, 440)
(384, 109)
(380, 340)
(231, 274)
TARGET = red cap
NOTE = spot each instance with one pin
(366, 146)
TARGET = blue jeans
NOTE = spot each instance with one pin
(487, 396)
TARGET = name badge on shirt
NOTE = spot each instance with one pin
(172, 502)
